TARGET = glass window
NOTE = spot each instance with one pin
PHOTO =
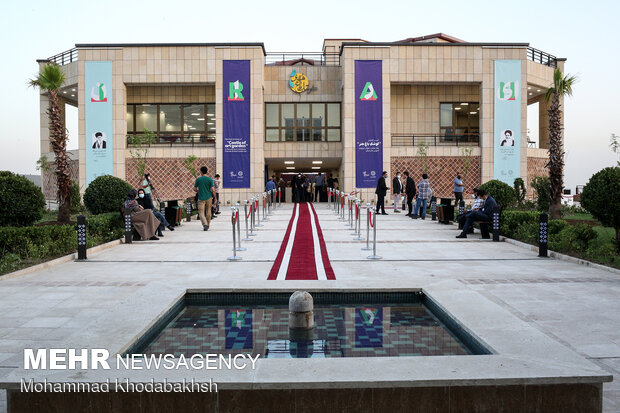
(146, 117)
(169, 118)
(288, 115)
(445, 115)
(194, 118)
(271, 114)
(272, 135)
(333, 135)
(333, 114)
(130, 109)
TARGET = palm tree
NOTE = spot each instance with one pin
(50, 79)
(562, 86)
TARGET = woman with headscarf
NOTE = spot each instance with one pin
(142, 219)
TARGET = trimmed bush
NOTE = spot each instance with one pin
(22, 201)
(106, 194)
(601, 197)
(572, 238)
(512, 220)
(542, 186)
(503, 193)
(38, 242)
(106, 227)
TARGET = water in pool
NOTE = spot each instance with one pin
(357, 330)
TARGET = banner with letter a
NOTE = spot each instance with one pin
(236, 118)
(98, 119)
(507, 121)
(368, 123)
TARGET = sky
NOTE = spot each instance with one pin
(584, 33)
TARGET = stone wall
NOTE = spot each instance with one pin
(535, 167)
(441, 172)
(168, 175)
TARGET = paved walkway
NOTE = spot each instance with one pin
(108, 300)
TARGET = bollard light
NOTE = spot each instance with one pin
(543, 236)
(81, 237)
(434, 209)
(188, 209)
(496, 225)
(128, 234)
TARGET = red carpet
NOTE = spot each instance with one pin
(298, 261)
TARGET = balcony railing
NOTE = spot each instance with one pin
(538, 56)
(65, 57)
(463, 139)
(307, 59)
(178, 140)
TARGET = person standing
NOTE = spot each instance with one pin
(381, 191)
(270, 186)
(146, 185)
(459, 186)
(216, 185)
(206, 192)
(424, 194)
(397, 190)
(282, 186)
(318, 188)
(410, 191)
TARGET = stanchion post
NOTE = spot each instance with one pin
(233, 219)
(239, 247)
(265, 207)
(247, 217)
(543, 236)
(257, 212)
(374, 255)
(434, 209)
(81, 237)
(188, 209)
(337, 206)
(128, 232)
(367, 247)
(252, 218)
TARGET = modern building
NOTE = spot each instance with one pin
(433, 103)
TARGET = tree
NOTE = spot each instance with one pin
(562, 86)
(139, 149)
(541, 186)
(188, 163)
(519, 187)
(601, 197)
(614, 144)
(503, 193)
(423, 153)
(50, 79)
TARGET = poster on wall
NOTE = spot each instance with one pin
(236, 121)
(368, 123)
(98, 119)
(507, 121)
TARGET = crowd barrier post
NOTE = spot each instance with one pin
(367, 247)
(257, 212)
(329, 197)
(233, 220)
(81, 237)
(337, 204)
(373, 223)
(247, 215)
(543, 235)
(128, 234)
(265, 202)
(351, 203)
(358, 221)
(239, 247)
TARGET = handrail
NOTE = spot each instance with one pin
(462, 139)
(299, 58)
(178, 141)
(538, 56)
(66, 57)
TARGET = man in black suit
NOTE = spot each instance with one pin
(486, 214)
(410, 191)
(397, 190)
(381, 191)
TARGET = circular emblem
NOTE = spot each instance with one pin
(298, 82)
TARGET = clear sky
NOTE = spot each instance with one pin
(585, 33)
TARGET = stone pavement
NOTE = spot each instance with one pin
(109, 300)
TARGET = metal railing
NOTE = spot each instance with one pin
(179, 141)
(538, 56)
(66, 57)
(463, 139)
(308, 59)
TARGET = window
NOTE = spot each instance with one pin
(187, 123)
(459, 121)
(302, 122)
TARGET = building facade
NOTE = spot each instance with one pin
(431, 104)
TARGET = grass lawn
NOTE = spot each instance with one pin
(579, 217)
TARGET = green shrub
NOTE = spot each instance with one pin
(9, 263)
(38, 242)
(511, 220)
(76, 198)
(542, 187)
(519, 187)
(106, 194)
(106, 227)
(22, 201)
(572, 238)
(601, 197)
(503, 193)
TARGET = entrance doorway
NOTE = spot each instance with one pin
(287, 169)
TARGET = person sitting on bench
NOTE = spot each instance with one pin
(144, 203)
(478, 202)
(142, 219)
(485, 215)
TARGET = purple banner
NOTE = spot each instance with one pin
(368, 123)
(236, 118)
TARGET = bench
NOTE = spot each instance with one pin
(484, 226)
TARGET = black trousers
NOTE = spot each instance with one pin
(381, 203)
(458, 196)
(317, 193)
(410, 203)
